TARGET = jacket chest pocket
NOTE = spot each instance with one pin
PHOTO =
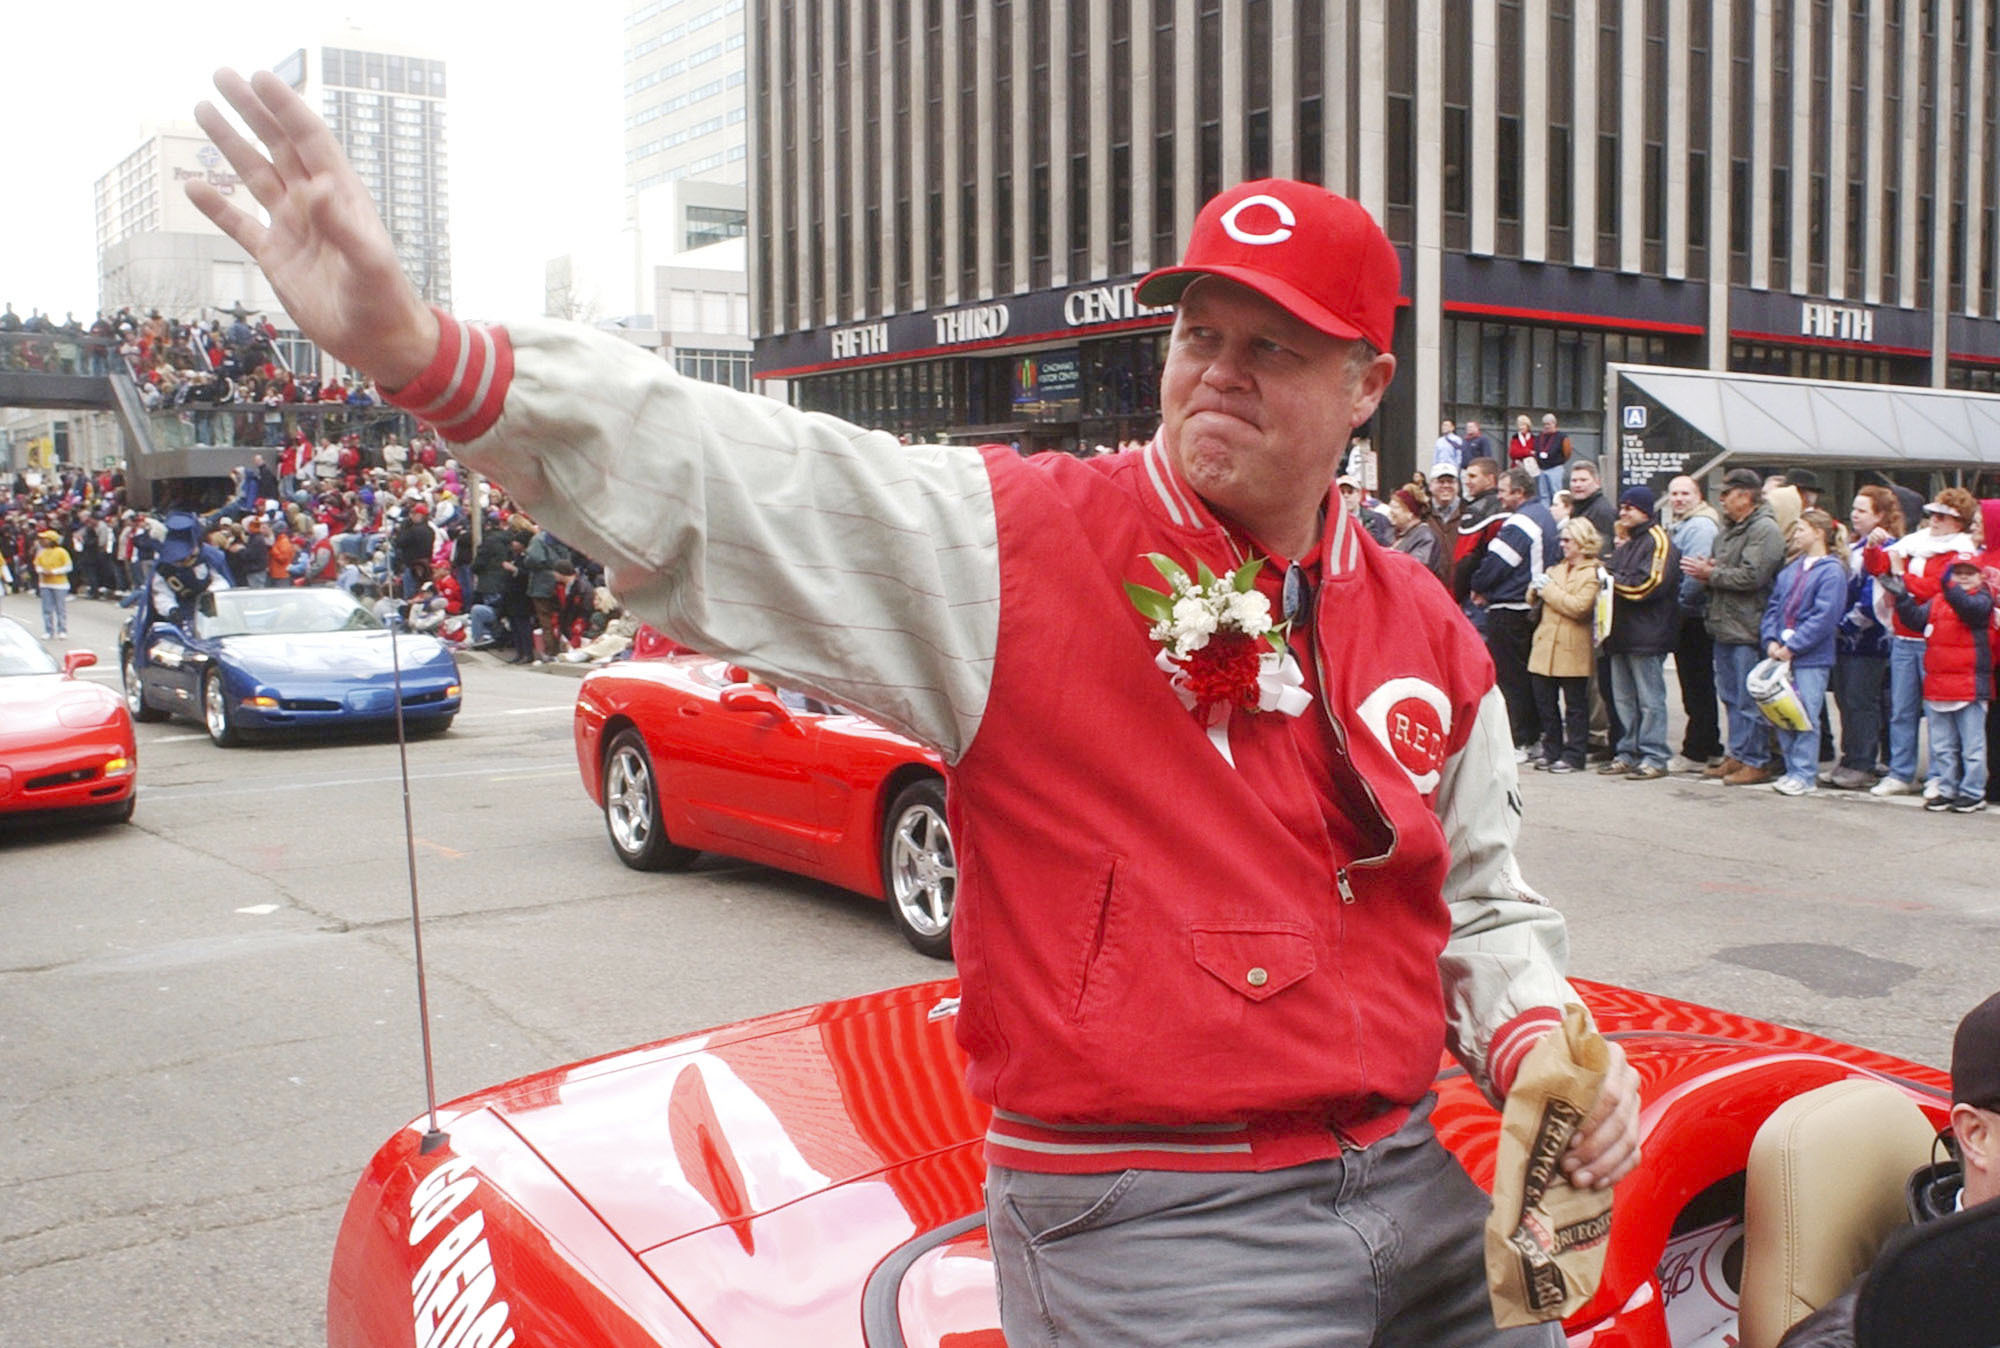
(1257, 960)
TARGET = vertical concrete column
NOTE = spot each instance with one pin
(1978, 170)
(1944, 93)
(1483, 159)
(1284, 62)
(802, 113)
(1583, 136)
(1837, 133)
(1187, 163)
(1024, 99)
(1679, 69)
(1760, 146)
(984, 170)
(1632, 139)
(1427, 286)
(1534, 129)
(1235, 43)
(919, 242)
(765, 110)
(1908, 146)
(1058, 113)
(1371, 113)
(956, 47)
(1100, 139)
(1721, 115)
(1875, 170)
(1339, 84)
(1143, 167)
(1804, 133)
(848, 153)
(886, 130)
(830, 260)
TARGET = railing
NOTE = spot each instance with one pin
(273, 426)
(57, 353)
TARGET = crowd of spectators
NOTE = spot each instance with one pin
(1783, 615)
(392, 524)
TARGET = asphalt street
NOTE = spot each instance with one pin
(208, 1024)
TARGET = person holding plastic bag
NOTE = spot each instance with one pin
(1798, 632)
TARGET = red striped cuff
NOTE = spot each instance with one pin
(461, 392)
(1511, 1044)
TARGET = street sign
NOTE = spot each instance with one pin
(1635, 416)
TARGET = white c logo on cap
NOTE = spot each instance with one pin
(1285, 221)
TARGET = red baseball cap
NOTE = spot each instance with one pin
(1317, 254)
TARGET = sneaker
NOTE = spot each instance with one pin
(1792, 786)
(1617, 767)
(1521, 754)
(1749, 776)
(1938, 804)
(1891, 786)
(1543, 764)
(1969, 805)
(1598, 754)
(1717, 771)
(1931, 790)
(1649, 772)
(1848, 779)
(1562, 766)
(1682, 763)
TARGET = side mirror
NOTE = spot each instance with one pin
(752, 699)
(75, 660)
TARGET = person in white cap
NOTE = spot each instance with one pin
(1218, 1010)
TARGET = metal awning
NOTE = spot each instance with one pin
(1819, 421)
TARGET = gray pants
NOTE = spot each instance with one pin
(1381, 1246)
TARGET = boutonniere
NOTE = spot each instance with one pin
(1219, 649)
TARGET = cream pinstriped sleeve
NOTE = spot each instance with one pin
(826, 557)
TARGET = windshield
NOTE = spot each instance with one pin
(238, 613)
(21, 653)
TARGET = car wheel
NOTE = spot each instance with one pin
(135, 693)
(215, 712)
(632, 814)
(919, 868)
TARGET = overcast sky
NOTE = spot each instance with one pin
(532, 124)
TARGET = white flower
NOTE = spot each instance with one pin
(1194, 616)
(1250, 613)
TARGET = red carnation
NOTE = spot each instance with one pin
(1224, 672)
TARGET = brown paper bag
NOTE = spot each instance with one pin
(1545, 1241)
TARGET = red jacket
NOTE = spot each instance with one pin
(1287, 963)
(1958, 643)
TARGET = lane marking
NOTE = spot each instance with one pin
(259, 909)
(531, 776)
(451, 854)
(155, 794)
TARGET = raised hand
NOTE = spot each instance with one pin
(325, 249)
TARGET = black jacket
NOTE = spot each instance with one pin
(1645, 604)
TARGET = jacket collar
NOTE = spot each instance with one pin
(1167, 493)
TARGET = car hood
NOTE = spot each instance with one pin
(32, 706)
(340, 654)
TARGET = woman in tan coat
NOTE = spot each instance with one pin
(1560, 661)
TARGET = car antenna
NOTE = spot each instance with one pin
(434, 1136)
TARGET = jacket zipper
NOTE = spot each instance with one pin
(1340, 877)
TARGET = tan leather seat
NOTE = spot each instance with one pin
(1825, 1189)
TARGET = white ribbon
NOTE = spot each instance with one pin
(1280, 688)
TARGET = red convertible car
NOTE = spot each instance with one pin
(688, 755)
(813, 1178)
(64, 744)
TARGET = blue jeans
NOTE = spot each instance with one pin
(1857, 691)
(55, 611)
(1748, 740)
(1906, 705)
(1800, 748)
(1639, 689)
(1958, 749)
(1547, 484)
(481, 617)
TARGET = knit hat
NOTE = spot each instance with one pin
(1639, 498)
(1975, 1057)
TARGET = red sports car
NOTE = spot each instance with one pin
(687, 755)
(813, 1178)
(64, 744)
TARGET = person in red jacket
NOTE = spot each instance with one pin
(1958, 679)
(1208, 1023)
(1918, 558)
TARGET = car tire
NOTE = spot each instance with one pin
(439, 726)
(215, 712)
(135, 696)
(121, 813)
(633, 818)
(919, 867)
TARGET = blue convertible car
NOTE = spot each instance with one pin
(286, 659)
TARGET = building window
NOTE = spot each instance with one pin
(1455, 189)
(1040, 206)
(1257, 89)
(1309, 50)
(902, 242)
(1208, 101)
(934, 146)
(728, 368)
(1079, 140)
(1165, 228)
(713, 224)
(1003, 146)
(1610, 108)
